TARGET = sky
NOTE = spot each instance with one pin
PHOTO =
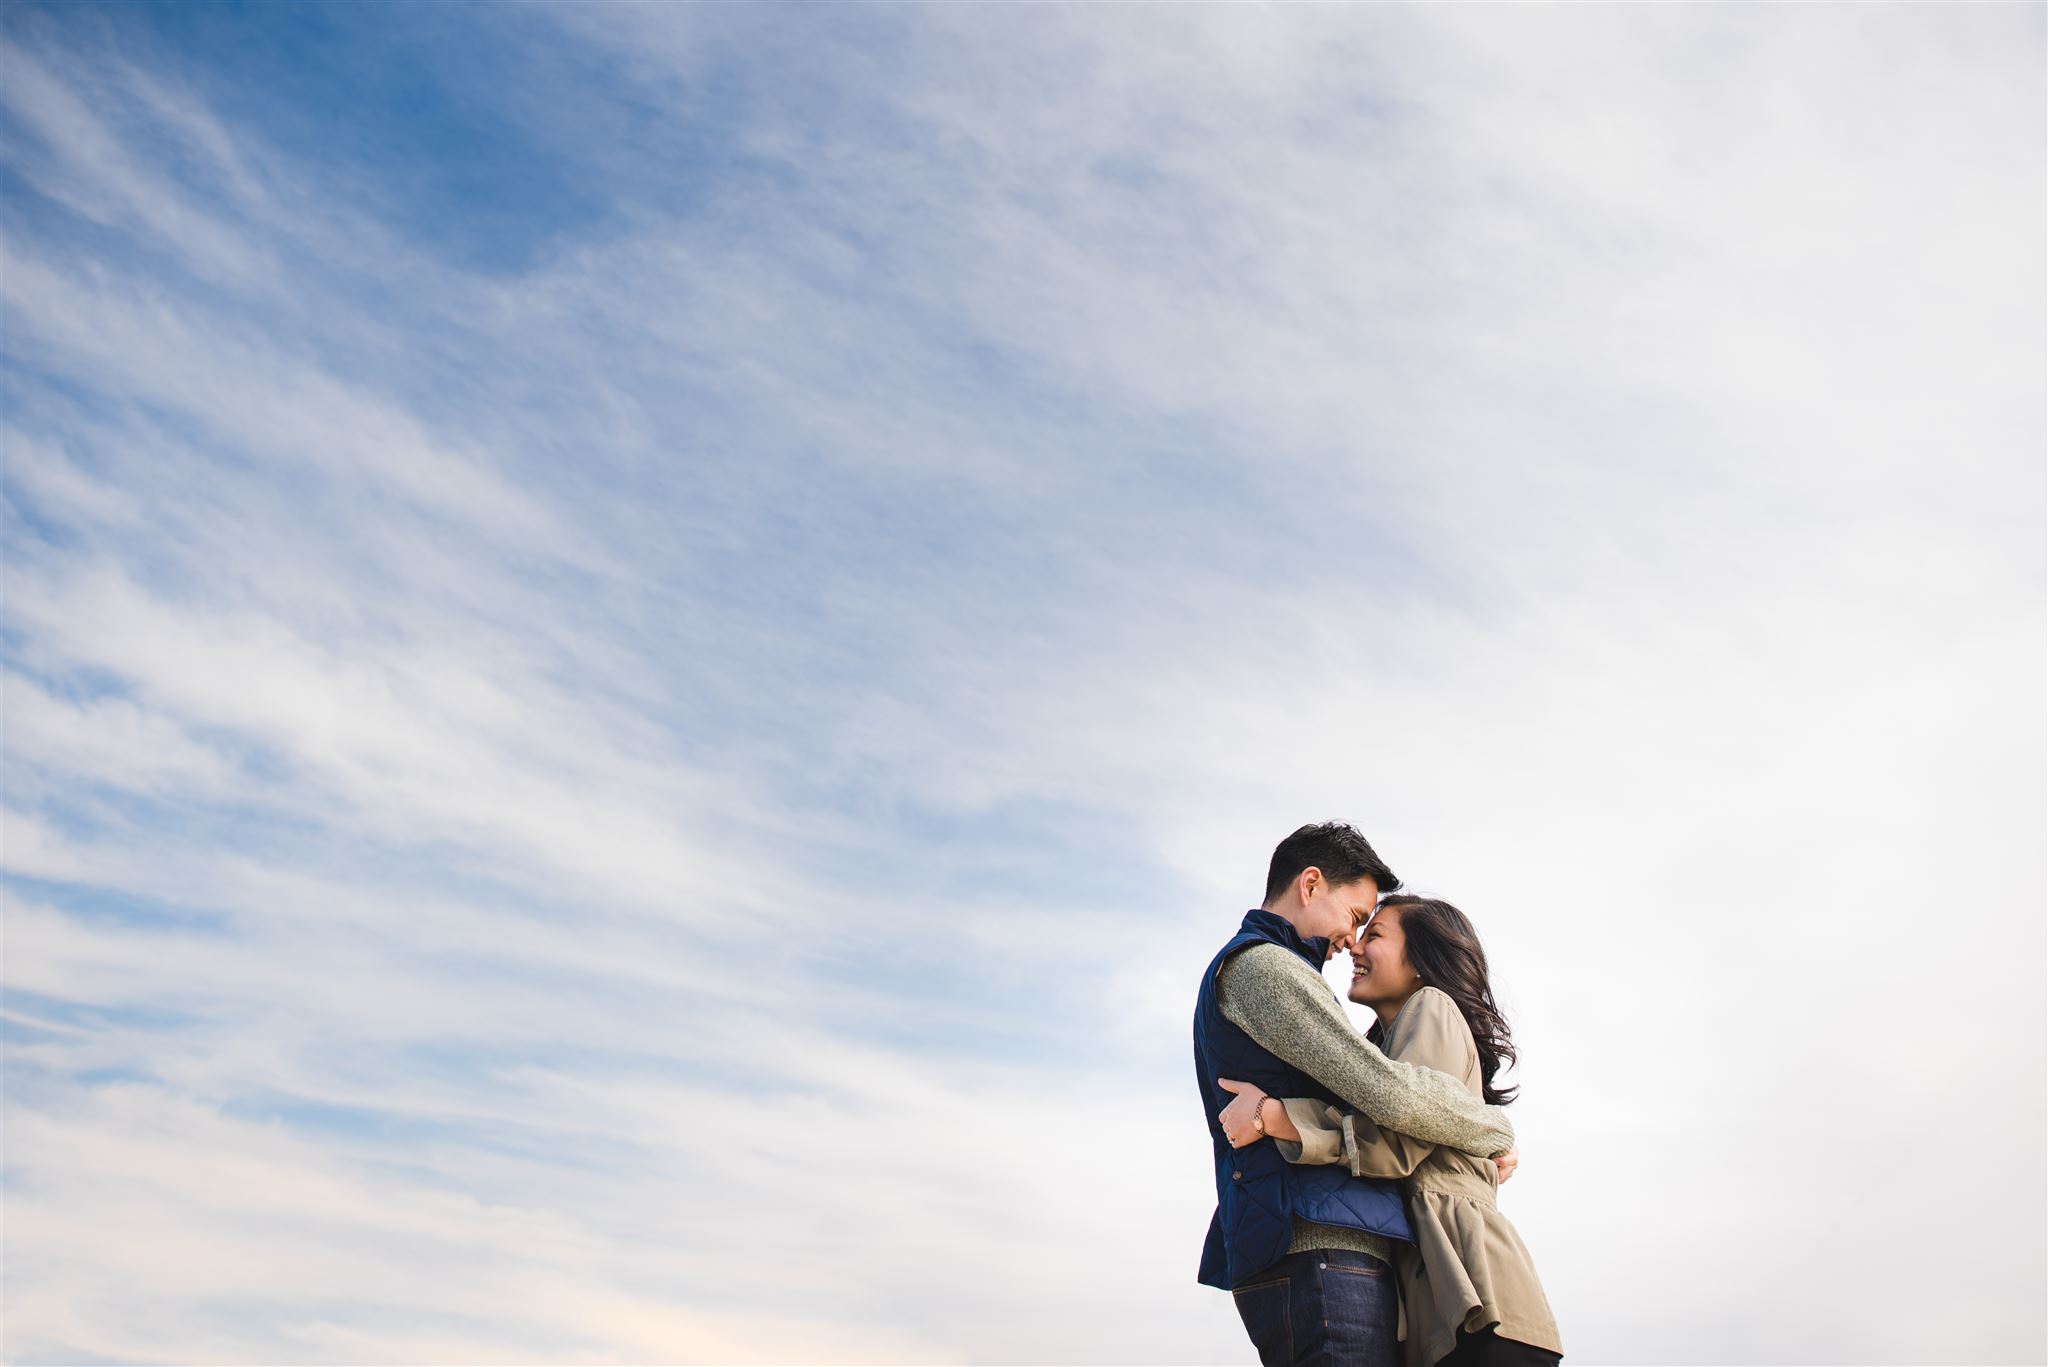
(646, 646)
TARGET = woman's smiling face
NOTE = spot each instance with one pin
(1380, 971)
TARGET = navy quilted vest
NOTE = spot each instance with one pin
(1258, 1192)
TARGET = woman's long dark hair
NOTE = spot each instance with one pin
(1446, 954)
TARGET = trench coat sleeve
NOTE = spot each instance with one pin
(1322, 1132)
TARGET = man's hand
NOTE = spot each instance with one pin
(1506, 1163)
(1237, 1116)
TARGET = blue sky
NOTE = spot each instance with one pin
(646, 646)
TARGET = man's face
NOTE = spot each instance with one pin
(1334, 911)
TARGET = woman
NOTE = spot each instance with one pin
(1470, 1297)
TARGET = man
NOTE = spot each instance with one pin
(1306, 1251)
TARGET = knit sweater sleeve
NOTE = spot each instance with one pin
(1284, 1004)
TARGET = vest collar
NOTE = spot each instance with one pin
(1278, 929)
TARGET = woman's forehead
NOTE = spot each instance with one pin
(1386, 916)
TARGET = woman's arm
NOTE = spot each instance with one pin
(1304, 1131)
(1374, 1152)
(1307, 1131)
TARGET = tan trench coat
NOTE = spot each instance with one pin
(1468, 1268)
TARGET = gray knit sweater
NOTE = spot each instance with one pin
(1276, 997)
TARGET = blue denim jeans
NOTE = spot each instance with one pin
(1327, 1307)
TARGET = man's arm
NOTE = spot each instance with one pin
(1279, 1000)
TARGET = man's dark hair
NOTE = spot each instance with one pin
(1334, 847)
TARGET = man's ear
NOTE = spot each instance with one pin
(1305, 886)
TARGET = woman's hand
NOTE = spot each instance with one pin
(1237, 1116)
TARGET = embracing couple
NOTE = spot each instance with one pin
(1355, 1176)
